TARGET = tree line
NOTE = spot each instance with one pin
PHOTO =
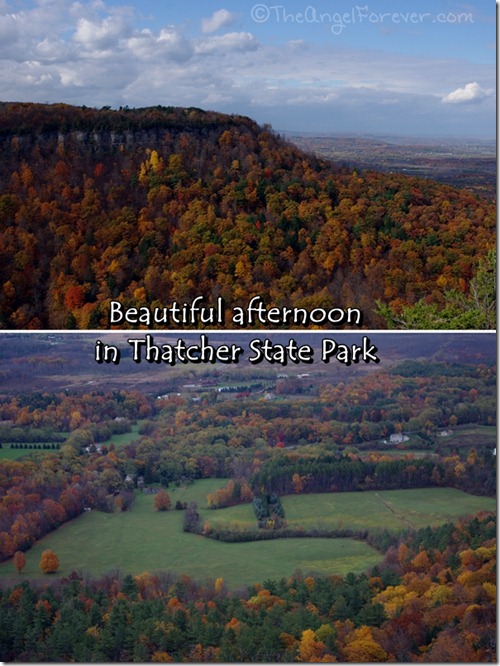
(288, 473)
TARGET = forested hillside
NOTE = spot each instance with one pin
(158, 205)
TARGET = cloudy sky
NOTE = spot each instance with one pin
(419, 67)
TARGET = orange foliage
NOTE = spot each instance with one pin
(49, 562)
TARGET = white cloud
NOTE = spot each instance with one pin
(297, 45)
(216, 98)
(231, 41)
(471, 92)
(173, 45)
(9, 31)
(166, 46)
(95, 53)
(219, 19)
(100, 34)
(69, 77)
(52, 50)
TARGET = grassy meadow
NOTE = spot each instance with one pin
(371, 509)
(472, 435)
(146, 540)
(124, 438)
(8, 453)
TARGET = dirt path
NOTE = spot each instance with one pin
(403, 519)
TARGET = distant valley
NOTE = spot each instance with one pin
(463, 163)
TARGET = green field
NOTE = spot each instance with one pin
(124, 438)
(386, 509)
(372, 510)
(471, 428)
(398, 453)
(471, 435)
(6, 453)
(145, 540)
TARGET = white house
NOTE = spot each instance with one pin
(398, 437)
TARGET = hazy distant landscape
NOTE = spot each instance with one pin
(468, 163)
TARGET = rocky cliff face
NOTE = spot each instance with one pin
(23, 125)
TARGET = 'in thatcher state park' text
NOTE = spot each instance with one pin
(259, 350)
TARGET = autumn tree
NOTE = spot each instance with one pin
(310, 648)
(362, 647)
(49, 562)
(162, 501)
(219, 585)
(19, 560)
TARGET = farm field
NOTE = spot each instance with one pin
(472, 435)
(372, 510)
(124, 438)
(389, 509)
(7, 453)
(146, 540)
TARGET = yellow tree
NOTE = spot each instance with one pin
(310, 648)
(161, 657)
(49, 562)
(363, 648)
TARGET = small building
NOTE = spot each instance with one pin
(398, 438)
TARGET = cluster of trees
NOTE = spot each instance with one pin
(160, 205)
(431, 396)
(473, 309)
(38, 417)
(22, 435)
(432, 599)
(48, 488)
(231, 437)
(43, 446)
(234, 492)
(21, 118)
(289, 473)
(269, 511)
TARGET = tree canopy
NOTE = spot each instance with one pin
(161, 205)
